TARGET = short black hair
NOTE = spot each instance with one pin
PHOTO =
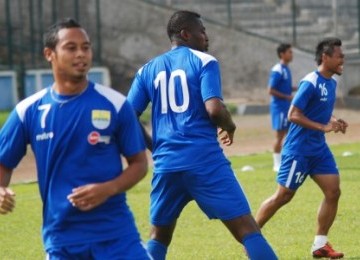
(283, 47)
(51, 36)
(326, 46)
(181, 20)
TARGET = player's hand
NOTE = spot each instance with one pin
(337, 125)
(342, 125)
(226, 137)
(7, 200)
(89, 196)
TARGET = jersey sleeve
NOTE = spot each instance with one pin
(211, 81)
(274, 79)
(130, 137)
(303, 95)
(137, 95)
(12, 141)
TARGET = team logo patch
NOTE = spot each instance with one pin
(93, 137)
(100, 118)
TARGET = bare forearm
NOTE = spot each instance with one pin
(279, 94)
(129, 178)
(5, 176)
(305, 122)
(221, 117)
(147, 137)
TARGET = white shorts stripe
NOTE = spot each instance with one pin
(291, 174)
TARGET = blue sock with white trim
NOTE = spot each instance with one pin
(258, 248)
(156, 249)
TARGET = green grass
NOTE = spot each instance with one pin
(290, 232)
(3, 117)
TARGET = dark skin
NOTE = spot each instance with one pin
(196, 38)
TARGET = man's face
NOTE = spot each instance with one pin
(198, 38)
(72, 55)
(335, 62)
(287, 55)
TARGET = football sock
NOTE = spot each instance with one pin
(156, 249)
(277, 161)
(319, 242)
(258, 248)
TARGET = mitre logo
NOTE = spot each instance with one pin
(100, 119)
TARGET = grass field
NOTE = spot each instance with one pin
(290, 232)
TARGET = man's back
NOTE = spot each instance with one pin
(178, 83)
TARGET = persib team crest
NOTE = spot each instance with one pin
(100, 118)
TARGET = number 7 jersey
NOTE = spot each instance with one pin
(178, 83)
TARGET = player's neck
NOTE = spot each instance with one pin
(69, 87)
(325, 72)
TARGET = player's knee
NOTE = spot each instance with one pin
(284, 197)
(333, 194)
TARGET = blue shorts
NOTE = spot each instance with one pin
(214, 188)
(127, 247)
(294, 169)
(279, 120)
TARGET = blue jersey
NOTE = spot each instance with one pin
(178, 83)
(280, 80)
(76, 140)
(316, 99)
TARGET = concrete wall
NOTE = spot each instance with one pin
(134, 32)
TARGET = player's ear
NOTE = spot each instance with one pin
(47, 54)
(185, 35)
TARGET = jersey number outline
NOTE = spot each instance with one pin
(46, 109)
(167, 91)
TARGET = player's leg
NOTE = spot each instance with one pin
(330, 186)
(280, 126)
(247, 232)
(329, 182)
(219, 195)
(168, 198)
(279, 139)
(160, 239)
(272, 204)
(290, 177)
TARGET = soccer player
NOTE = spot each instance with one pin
(77, 130)
(184, 87)
(305, 152)
(280, 88)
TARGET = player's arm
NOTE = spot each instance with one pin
(7, 196)
(278, 94)
(147, 136)
(90, 196)
(296, 116)
(221, 117)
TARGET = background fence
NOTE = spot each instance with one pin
(128, 44)
(300, 22)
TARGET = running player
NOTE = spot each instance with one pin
(305, 152)
(184, 87)
(77, 130)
